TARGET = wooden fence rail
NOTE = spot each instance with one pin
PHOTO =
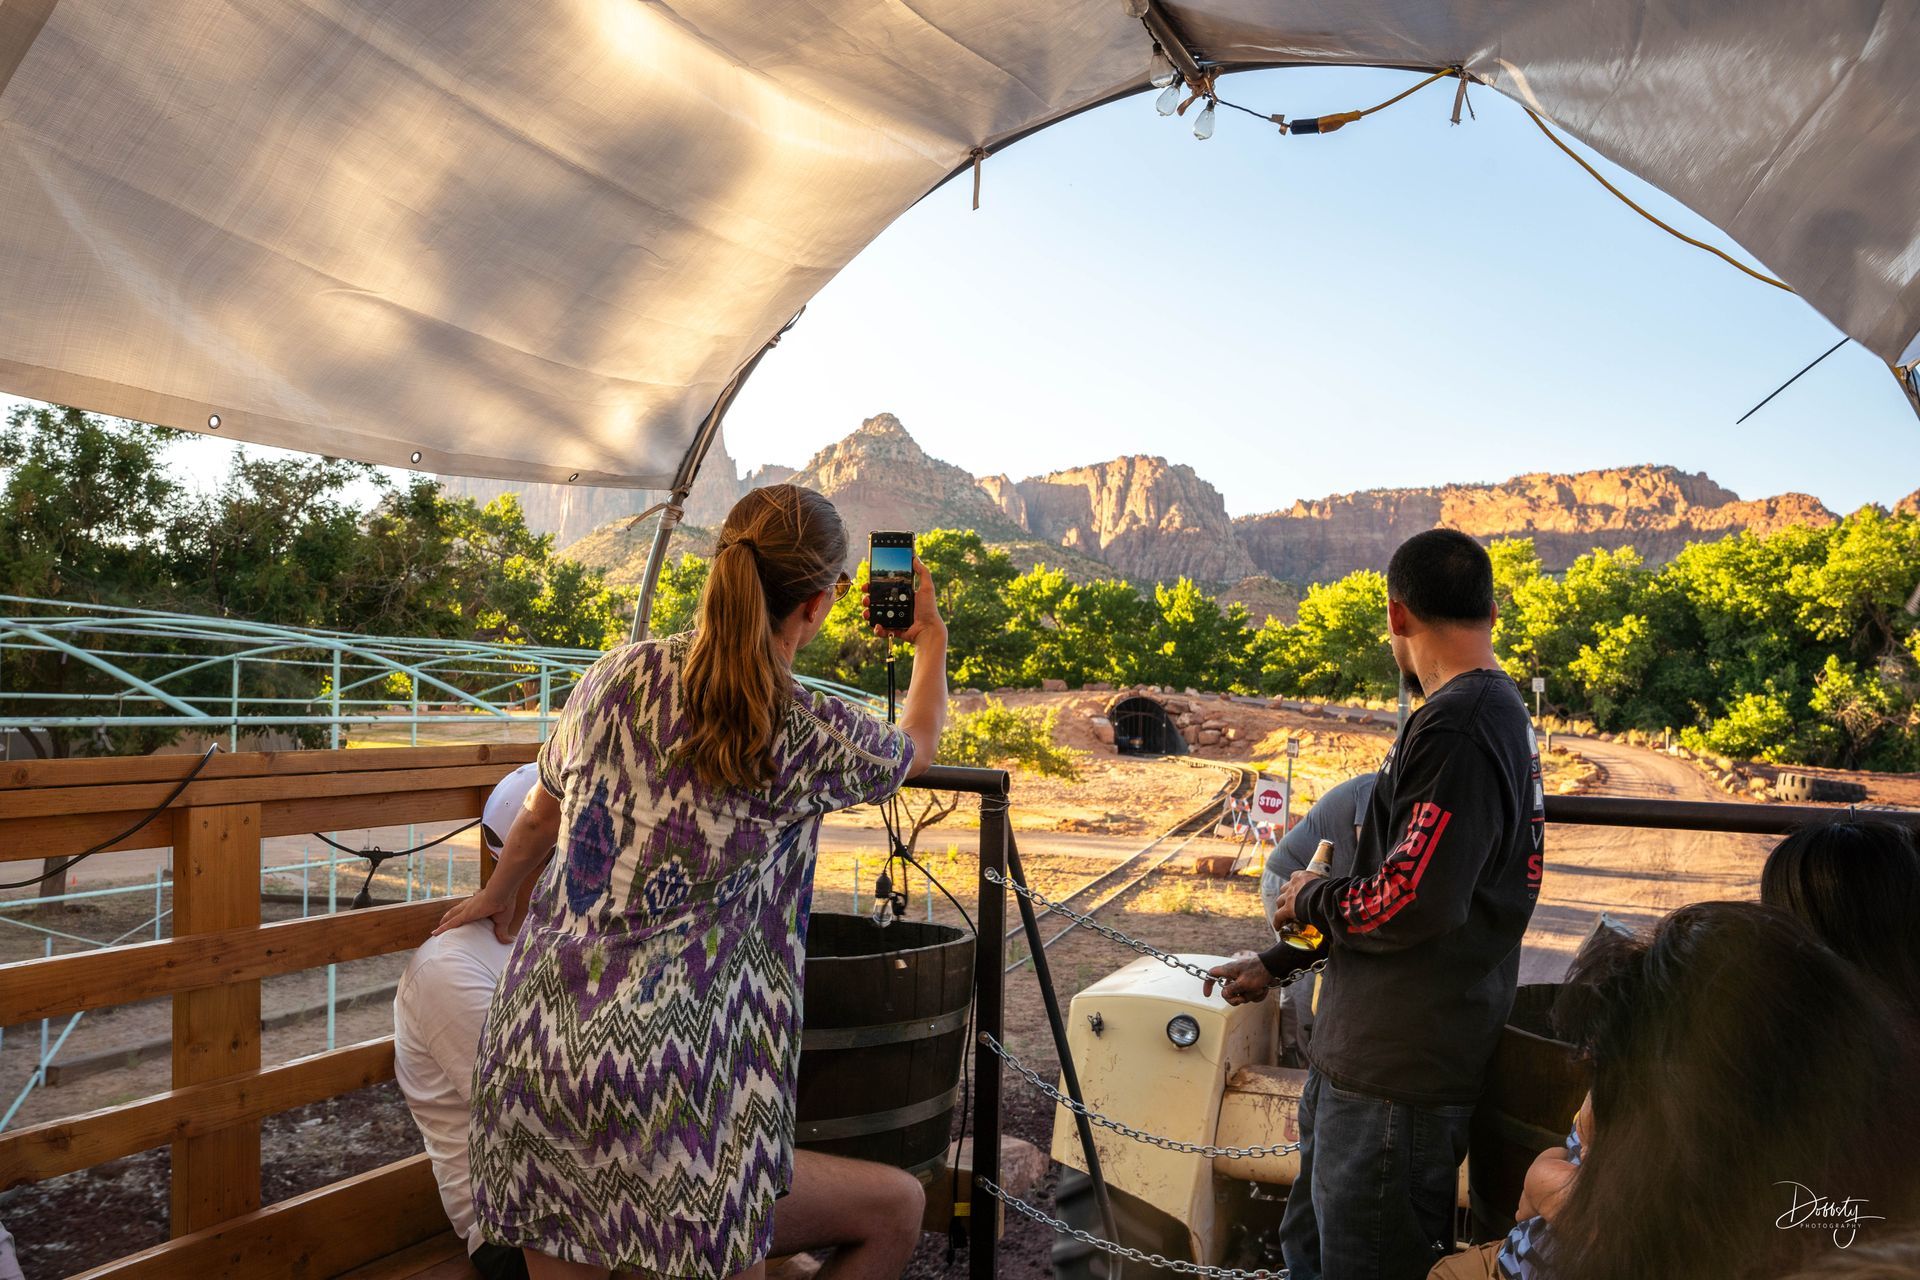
(212, 968)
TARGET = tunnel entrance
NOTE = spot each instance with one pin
(1142, 727)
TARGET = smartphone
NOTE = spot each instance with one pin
(890, 575)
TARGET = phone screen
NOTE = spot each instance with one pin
(893, 562)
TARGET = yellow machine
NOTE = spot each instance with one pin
(1155, 1054)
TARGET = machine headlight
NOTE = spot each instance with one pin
(1183, 1031)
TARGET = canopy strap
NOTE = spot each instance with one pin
(978, 154)
(1622, 196)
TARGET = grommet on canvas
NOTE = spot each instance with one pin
(213, 422)
(415, 456)
(573, 477)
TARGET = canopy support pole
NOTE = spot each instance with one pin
(683, 479)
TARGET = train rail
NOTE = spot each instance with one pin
(1137, 866)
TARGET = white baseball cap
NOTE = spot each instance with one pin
(504, 805)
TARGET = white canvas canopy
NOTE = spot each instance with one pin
(537, 241)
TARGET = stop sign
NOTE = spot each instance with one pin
(1269, 800)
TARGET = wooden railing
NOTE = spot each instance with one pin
(212, 968)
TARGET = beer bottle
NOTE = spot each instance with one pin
(1297, 933)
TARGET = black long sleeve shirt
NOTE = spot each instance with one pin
(1424, 938)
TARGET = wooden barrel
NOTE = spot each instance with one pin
(883, 1037)
(1534, 1087)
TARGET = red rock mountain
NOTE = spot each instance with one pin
(1656, 510)
(1147, 519)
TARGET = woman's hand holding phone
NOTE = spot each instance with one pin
(927, 622)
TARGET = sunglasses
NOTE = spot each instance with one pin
(840, 588)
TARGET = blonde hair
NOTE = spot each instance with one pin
(779, 546)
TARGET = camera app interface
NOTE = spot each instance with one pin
(892, 585)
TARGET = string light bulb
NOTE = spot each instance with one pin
(1169, 100)
(1203, 123)
(1160, 72)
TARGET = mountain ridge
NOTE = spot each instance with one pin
(1148, 519)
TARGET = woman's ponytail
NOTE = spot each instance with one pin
(779, 546)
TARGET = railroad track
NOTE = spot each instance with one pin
(1137, 866)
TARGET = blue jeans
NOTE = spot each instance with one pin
(1378, 1183)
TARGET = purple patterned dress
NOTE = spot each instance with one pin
(633, 1097)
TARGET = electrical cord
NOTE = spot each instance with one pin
(376, 856)
(110, 841)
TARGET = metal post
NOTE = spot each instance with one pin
(233, 733)
(159, 881)
(1406, 702)
(333, 902)
(1286, 811)
(1069, 1076)
(546, 698)
(856, 884)
(684, 478)
(333, 733)
(989, 968)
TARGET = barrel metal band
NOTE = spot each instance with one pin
(875, 1121)
(869, 1036)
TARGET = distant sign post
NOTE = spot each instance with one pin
(1286, 800)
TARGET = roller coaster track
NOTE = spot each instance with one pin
(1150, 857)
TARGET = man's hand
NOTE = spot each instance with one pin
(1283, 905)
(1243, 979)
(488, 904)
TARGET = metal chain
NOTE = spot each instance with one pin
(1121, 1250)
(1144, 948)
(1126, 1130)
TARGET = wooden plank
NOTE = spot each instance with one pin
(32, 989)
(34, 802)
(111, 770)
(30, 839)
(216, 1030)
(442, 1258)
(79, 1142)
(320, 1234)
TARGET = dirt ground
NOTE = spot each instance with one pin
(1069, 832)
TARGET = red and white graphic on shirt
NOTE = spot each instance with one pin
(1367, 904)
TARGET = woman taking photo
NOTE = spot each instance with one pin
(633, 1099)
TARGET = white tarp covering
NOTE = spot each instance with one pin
(536, 240)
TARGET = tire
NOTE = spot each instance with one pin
(1138, 1225)
(1795, 788)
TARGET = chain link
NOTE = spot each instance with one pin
(1126, 1130)
(1121, 1250)
(1112, 934)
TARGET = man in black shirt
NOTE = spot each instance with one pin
(1423, 938)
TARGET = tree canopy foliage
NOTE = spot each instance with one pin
(1796, 646)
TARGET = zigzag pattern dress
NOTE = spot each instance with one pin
(633, 1095)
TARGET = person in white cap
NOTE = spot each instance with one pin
(439, 1009)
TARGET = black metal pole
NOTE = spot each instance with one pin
(1070, 1077)
(1710, 815)
(983, 1238)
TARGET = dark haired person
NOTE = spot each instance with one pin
(633, 1102)
(1740, 1071)
(1857, 886)
(1424, 938)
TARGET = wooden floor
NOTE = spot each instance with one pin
(442, 1258)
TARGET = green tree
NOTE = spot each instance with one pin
(972, 579)
(676, 596)
(1337, 648)
(1196, 643)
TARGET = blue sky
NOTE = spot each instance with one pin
(1399, 303)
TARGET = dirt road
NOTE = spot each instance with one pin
(1633, 875)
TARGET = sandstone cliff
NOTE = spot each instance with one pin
(1150, 519)
(1909, 505)
(570, 511)
(880, 479)
(1656, 510)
